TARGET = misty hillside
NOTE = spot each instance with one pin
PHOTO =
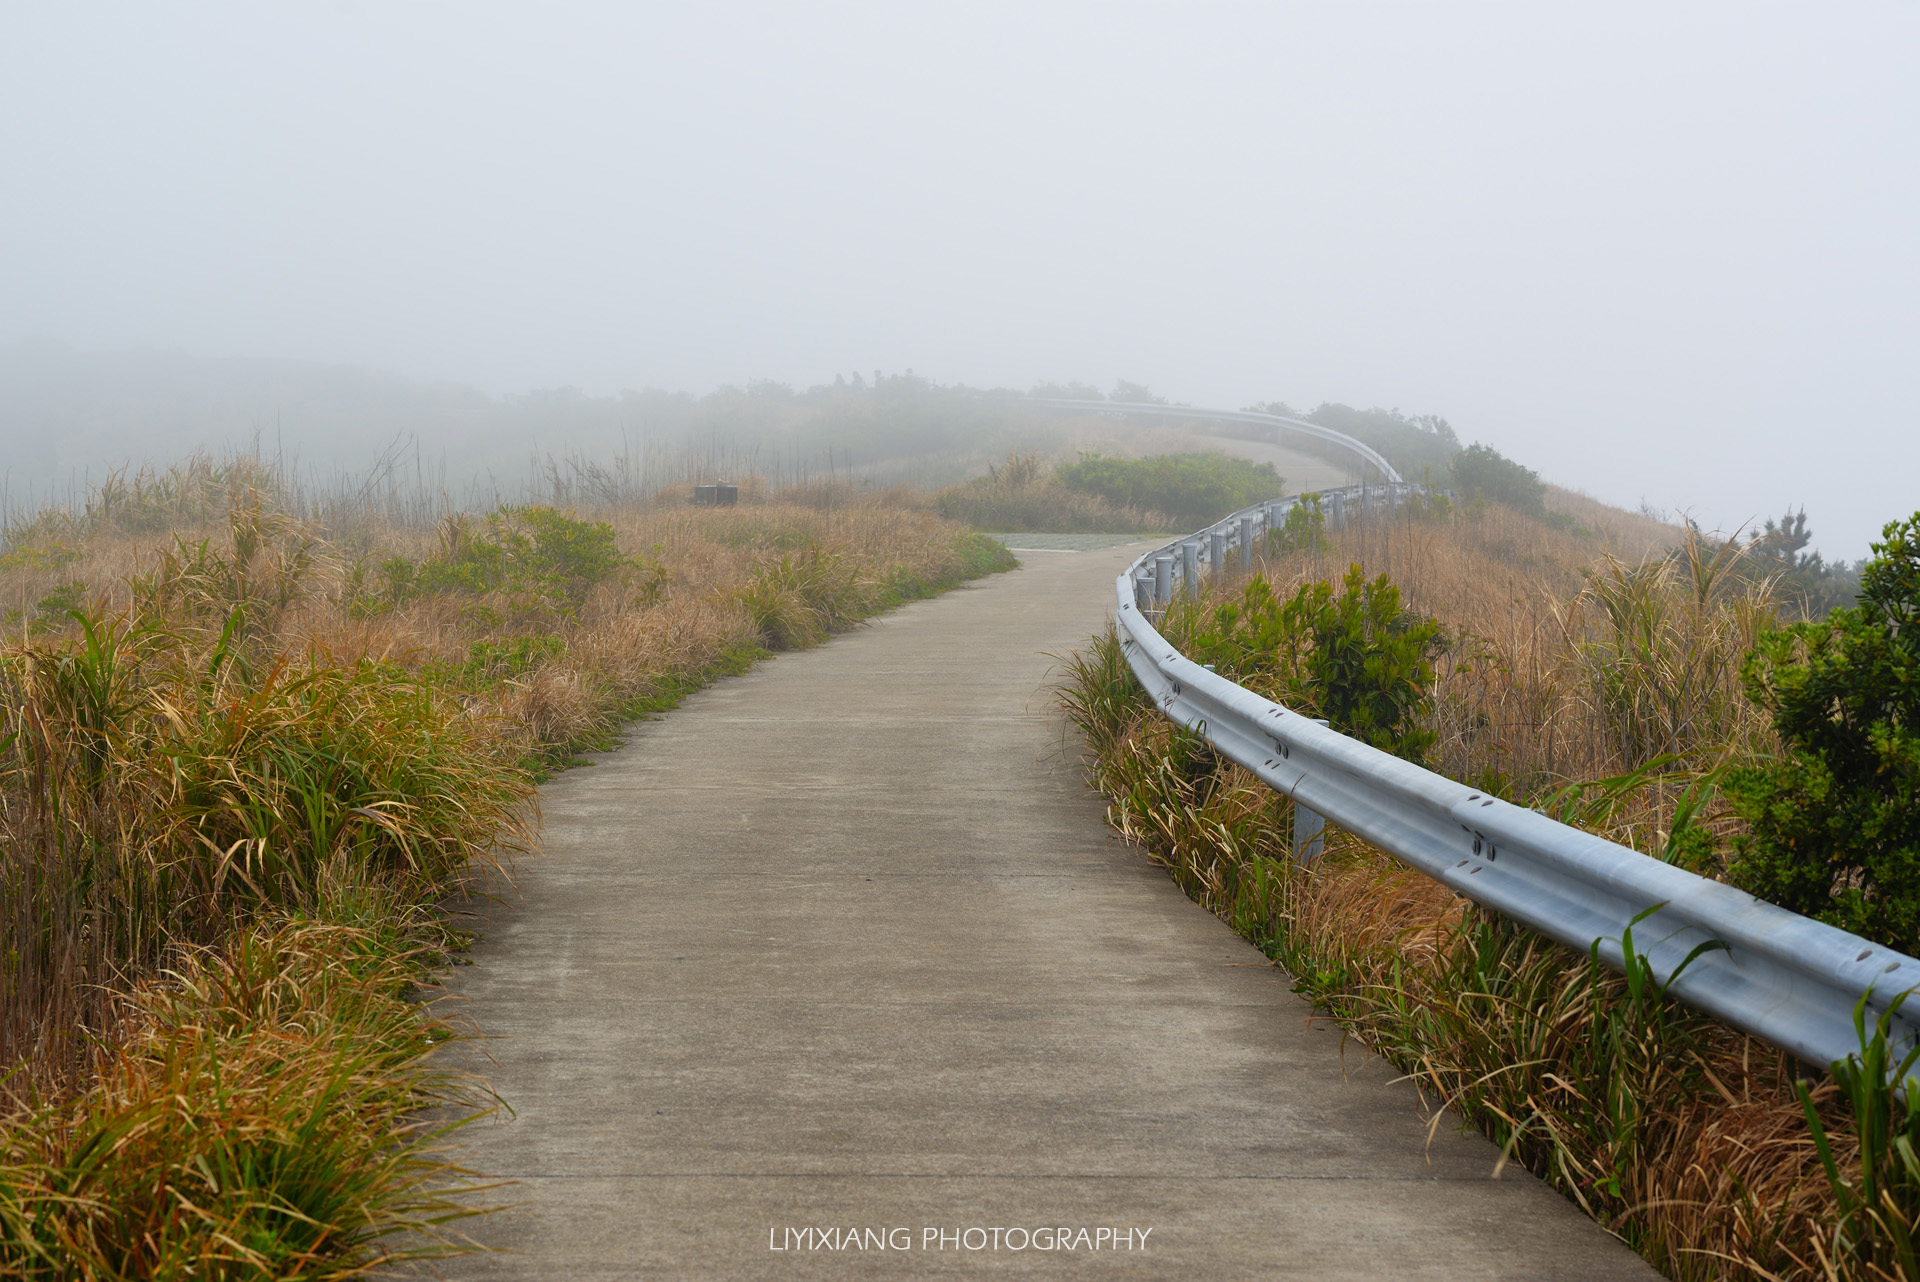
(71, 416)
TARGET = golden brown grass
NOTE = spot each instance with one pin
(244, 753)
(1573, 655)
(260, 1117)
(1576, 652)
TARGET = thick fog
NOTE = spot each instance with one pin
(1656, 251)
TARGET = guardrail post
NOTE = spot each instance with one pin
(1246, 542)
(1309, 829)
(1336, 510)
(1216, 550)
(1189, 567)
(1162, 580)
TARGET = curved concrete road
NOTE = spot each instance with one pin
(844, 944)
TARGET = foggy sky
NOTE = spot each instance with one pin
(1653, 250)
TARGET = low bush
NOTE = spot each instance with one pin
(539, 562)
(1022, 495)
(1354, 657)
(1482, 472)
(1303, 530)
(1192, 489)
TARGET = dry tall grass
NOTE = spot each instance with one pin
(260, 1118)
(242, 755)
(1574, 654)
(1590, 668)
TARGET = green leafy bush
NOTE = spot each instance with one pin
(1482, 472)
(1355, 657)
(1193, 489)
(543, 560)
(1304, 530)
(1021, 494)
(1834, 823)
(492, 661)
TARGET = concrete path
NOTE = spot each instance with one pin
(843, 945)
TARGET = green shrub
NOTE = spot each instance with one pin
(491, 661)
(1193, 489)
(541, 559)
(1304, 530)
(1021, 495)
(1482, 472)
(1355, 657)
(1835, 821)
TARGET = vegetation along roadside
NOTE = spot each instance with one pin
(1102, 494)
(1642, 681)
(248, 749)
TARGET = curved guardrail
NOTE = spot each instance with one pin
(1276, 421)
(1788, 979)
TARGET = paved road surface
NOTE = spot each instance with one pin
(842, 944)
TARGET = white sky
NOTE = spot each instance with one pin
(1653, 250)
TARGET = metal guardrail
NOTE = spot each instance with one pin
(1782, 977)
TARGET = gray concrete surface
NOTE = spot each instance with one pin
(845, 944)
